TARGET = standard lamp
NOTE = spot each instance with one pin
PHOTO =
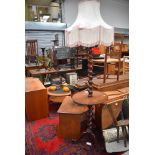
(89, 30)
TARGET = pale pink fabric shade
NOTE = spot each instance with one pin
(89, 29)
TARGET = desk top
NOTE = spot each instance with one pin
(52, 70)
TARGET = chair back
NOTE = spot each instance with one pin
(31, 47)
(112, 55)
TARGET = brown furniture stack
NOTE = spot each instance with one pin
(36, 99)
(71, 117)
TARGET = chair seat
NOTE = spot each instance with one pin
(123, 123)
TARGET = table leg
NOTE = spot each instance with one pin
(94, 136)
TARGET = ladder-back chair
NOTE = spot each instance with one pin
(112, 58)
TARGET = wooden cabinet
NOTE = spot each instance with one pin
(36, 99)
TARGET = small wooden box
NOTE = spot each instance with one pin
(36, 99)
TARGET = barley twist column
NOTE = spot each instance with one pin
(90, 73)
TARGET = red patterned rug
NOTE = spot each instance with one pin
(41, 139)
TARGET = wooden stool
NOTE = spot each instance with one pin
(71, 116)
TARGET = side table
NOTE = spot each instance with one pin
(98, 98)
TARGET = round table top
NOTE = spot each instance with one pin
(82, 98)
(58, 92)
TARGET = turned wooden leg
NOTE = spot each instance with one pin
(117, 134)
(127, 135)
(124, 136)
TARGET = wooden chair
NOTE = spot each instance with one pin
(125, 65)
(112, 58)
(123, 123)
(31, 50)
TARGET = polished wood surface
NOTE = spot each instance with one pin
(96, 98)
(113, 96)
(56, 99)
(68, 106)
(33, 84)
(71, 118)
(35, 99)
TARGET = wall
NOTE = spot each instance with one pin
(26, 10)
(114, 12)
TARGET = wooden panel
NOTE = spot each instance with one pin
(36, 99)
(68, 106)
(71, 117)
(69, 126)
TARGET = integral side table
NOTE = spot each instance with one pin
(98, 98)
(36, 99)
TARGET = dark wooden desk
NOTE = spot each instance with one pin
(53, 71)
(32, 66)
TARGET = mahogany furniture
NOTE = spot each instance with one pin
(36, 99)
(71, 118)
